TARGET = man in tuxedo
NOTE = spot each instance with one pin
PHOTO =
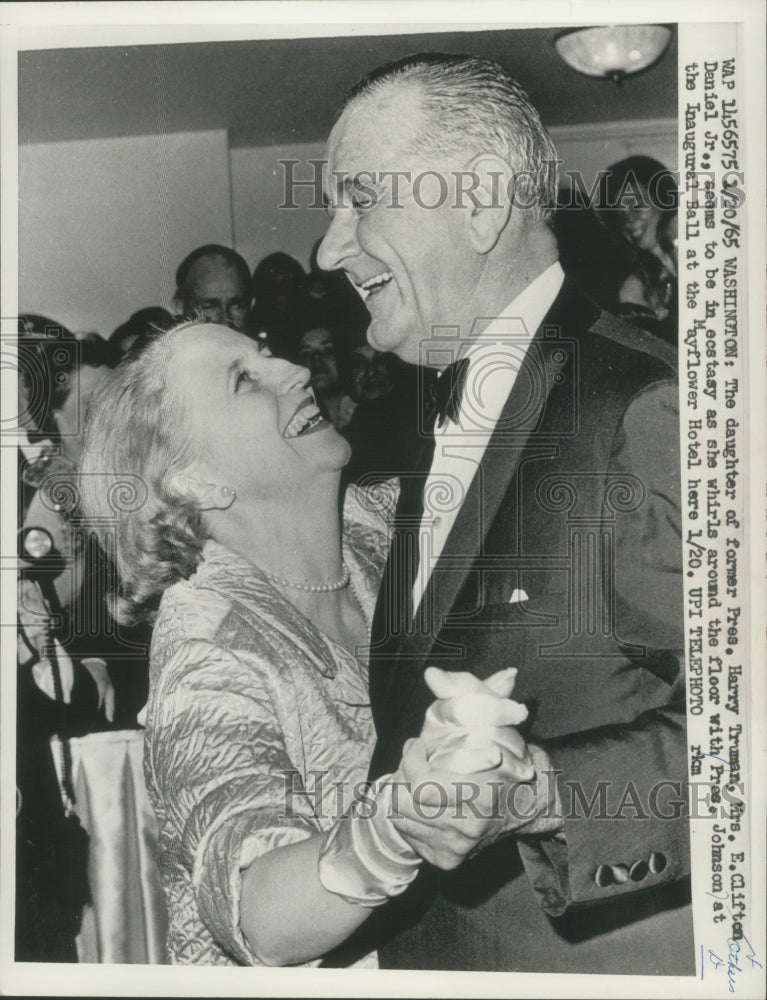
(540, 530)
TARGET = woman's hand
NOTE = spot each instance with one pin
(465, 728)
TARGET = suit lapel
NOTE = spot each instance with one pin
(549, 366)
(393, 613)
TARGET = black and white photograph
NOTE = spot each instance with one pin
(383, 499)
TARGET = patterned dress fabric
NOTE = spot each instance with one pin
(258, 728)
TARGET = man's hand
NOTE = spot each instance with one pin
(444, 815)
(470, 777)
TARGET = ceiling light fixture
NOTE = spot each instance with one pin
(613, 51)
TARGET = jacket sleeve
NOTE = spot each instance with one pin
(219, 765)
(623, 788)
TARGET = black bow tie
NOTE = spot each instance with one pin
(447, 390)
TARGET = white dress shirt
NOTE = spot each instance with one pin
(495, 356)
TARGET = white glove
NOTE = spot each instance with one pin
(471, 719)
(363, 859)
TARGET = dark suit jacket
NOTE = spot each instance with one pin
(576, 502)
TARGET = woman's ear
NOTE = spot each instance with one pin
(490, 200)
(207, 496)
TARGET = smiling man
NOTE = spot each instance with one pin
(405, 261)
(540, 530)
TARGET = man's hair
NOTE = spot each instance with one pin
(144, 321)
(277, 269)
(211, 250)
(468, 103)
(136, 440)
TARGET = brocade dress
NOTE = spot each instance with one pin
(258, 727)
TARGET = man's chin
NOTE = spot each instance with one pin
(390, 339)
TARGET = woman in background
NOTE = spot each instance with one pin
(638, 205)
(318, 352)
(383, 430)
(638, 199)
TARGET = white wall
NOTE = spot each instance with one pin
(104, 223)
(258, 180)
(591, 148)
(258, 189)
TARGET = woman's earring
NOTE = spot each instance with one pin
(230, 494)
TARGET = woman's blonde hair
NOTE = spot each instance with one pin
(135, 442)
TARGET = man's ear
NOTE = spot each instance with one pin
(488, 200)
(207, 496)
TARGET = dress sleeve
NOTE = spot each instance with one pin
(373, 506)
(220, 767)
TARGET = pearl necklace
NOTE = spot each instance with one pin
(320, 588)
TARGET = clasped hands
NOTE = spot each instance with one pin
(470, 777)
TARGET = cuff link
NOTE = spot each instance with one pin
(603, 876)
(620, 874)
(638, 871)
(657, 862)
(607, 875)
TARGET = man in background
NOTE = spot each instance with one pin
(213, 283)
